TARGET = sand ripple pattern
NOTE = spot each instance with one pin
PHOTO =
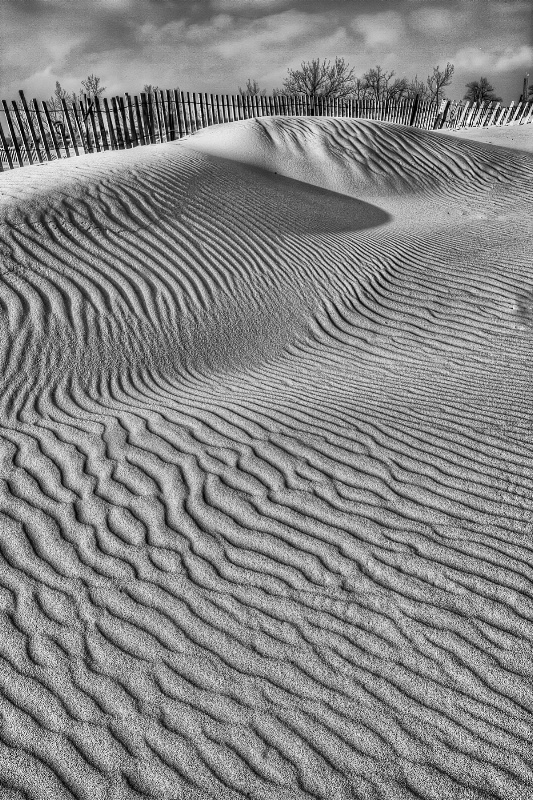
(266, 498)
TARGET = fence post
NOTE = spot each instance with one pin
(186, 123)
(51, 129)
(112, 135)
(42, 130)
(77, 120)
(527, 117)
(13, 134)
(70, 129)
(118, 127)
(134, 137)
(127, 139)
(190, 113)
(22, 131)
(6, 149)
(414, 110)
(89, 102)
(142, 138)
(146, 120)
(178, 113)
(101, 125)
(90, 111)
(30, 125)
(196, 119)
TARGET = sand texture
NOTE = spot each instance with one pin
(266, 497)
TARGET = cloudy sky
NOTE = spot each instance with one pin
(214, 45)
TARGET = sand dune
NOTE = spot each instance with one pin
(266, 501)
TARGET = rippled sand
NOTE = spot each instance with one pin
(266, 500)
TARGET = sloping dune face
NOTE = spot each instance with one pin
(266, 493)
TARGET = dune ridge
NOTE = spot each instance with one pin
(265, 458)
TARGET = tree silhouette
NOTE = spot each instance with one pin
(438, 80)
(418, 87)
(480, 92)
(91, 87)
(55, 106)
(321, 78)
(376, 81)
(252, 88)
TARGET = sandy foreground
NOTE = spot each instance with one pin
(266, 504)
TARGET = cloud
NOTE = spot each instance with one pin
(247, 5)
(493, 59)
(433, 20)
(384, 28)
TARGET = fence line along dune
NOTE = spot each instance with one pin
(32, 133)
(266, 489)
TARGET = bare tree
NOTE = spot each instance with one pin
(417, 87)
(377, 82)
(252, 88)
(360, 89)
(397, 90)
(480, 92)
(321, 78)
(55, 106)
(91, 87)
(438, 80)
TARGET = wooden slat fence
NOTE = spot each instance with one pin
(33, 133)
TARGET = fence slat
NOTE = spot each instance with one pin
(165, 116)
(118, 128)
(127, 133)
(113, 142)
(29, 122)
(42, 130)
(70, 129)
(134, 136)
(515, 115)
(196, 118)
(84, 115)
(528, 113)
(51, 129)
(414, 109)
(101, 125)
(138, 118)
(202, 111)
(22, 131)
(172, 127)
(189, 108)
(6, 149)
(147, 131)
(89, 103)
(13, 134)
(153, 110)
(180, 130)
(79, 128)
(186, 118)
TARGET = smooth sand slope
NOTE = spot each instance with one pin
(266, 518)
(515, 137)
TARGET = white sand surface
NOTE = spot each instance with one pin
(516, 137)
(266, 510)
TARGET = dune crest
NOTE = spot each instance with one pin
(265, 459)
